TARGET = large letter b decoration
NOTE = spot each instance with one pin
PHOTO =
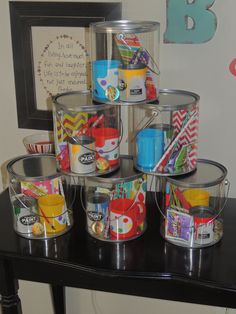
(190, 21)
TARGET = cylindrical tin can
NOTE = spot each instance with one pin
(32, 177)
(82, 154)
(203, 218)
(25, 213)
(132, 82)
(97, 214)
(193, 212)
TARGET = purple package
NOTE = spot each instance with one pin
(178, 225)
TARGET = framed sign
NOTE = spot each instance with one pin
(50, 43)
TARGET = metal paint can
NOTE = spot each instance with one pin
(126, 193)
(198, 198)
(25, 213)
(30, 177)
(82, 154)
(203, 218)
(132, 80)
(97, 214)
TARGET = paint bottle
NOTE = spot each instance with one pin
(82, 154)
(132, 79)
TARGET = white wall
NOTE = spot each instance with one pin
(201, 68)
(35, 299)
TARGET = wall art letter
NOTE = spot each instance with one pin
(189, 21)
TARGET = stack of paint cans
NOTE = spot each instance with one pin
(88, 131)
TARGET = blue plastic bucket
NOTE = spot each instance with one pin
(150, 147)
(104, 75)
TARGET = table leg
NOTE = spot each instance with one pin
(58, 297)
(11, 303)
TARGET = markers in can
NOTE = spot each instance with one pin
(97, 214)
(82, 154)
(25, 213)
(203, 218)
(132, 80)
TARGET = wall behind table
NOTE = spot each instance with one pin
(201, 68)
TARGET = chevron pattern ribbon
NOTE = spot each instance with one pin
(71, 122)
(187, 125)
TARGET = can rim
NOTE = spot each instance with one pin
(28, 178)
(177, 180)
(81, 140)
(138, 66)
(197, 212)
(125, 26)
(96, 195)
(157, 105)
(109, 180)
(86, 108)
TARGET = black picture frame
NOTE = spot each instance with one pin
(23, 16)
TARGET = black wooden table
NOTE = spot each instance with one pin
(147, 266)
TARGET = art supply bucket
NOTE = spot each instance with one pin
(107, 144)
(75, 115)
(150, 147)
(197, 197)
(176, 116)
(52, 212)
(133, 46)
(126, 218)
(132, 82)
(105, 80)
(167, 130)
(82, 154)
(125, 215)
(192, 206)
(34, 183)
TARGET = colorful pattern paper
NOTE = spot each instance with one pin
(40, 188)
(178, 225)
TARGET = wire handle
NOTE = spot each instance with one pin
(227, 183)
(18, 196)
(155, 114)
(75, 139)
(111, 197)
